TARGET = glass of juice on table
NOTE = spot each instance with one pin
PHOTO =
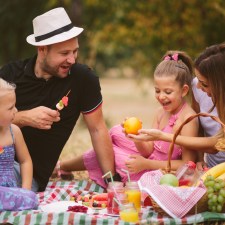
(133, 194)
(128, 213)
(115, 190)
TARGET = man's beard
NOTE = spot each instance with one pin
(46, 68)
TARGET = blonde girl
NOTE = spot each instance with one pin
(13, 145)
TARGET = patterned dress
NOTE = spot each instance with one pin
(13, 198)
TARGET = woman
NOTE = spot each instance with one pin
(201, 102)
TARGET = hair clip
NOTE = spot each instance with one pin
(167, 58)
(173, 57)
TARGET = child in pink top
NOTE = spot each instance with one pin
(172, 79)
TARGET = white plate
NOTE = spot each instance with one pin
(57, 207)
(62, 206)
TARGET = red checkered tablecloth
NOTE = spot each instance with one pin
(63, 190)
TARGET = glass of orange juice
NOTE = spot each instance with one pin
(133, 194)
(128, 213)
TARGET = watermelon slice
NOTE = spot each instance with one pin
(100, 197)
(65, 101)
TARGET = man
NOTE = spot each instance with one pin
(42, 81)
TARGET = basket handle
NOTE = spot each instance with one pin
(168, 168)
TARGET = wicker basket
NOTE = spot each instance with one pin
(202, 204)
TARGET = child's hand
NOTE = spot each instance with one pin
(132, 137)
(136, 163)
(146, 135)
(122, 125)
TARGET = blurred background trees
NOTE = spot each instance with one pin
(119, 34)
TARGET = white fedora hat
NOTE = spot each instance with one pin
(52, 27)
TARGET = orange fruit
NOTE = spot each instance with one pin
(132, 125)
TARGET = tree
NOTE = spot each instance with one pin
(120, 33)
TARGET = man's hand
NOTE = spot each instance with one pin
(40, 117)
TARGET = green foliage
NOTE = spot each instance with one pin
(138, 33)
(16, 25)
(120, 33)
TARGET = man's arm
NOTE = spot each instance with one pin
(40, 117)
(101, 140)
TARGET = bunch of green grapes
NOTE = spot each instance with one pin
(216, 193)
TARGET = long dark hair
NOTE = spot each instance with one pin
(211, 65)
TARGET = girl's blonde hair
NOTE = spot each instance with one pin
(178, 64)
(6, 86)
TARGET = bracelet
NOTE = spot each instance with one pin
(116, 177)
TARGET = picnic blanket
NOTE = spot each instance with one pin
(63, 190)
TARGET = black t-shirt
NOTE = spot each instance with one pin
(85, 96)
